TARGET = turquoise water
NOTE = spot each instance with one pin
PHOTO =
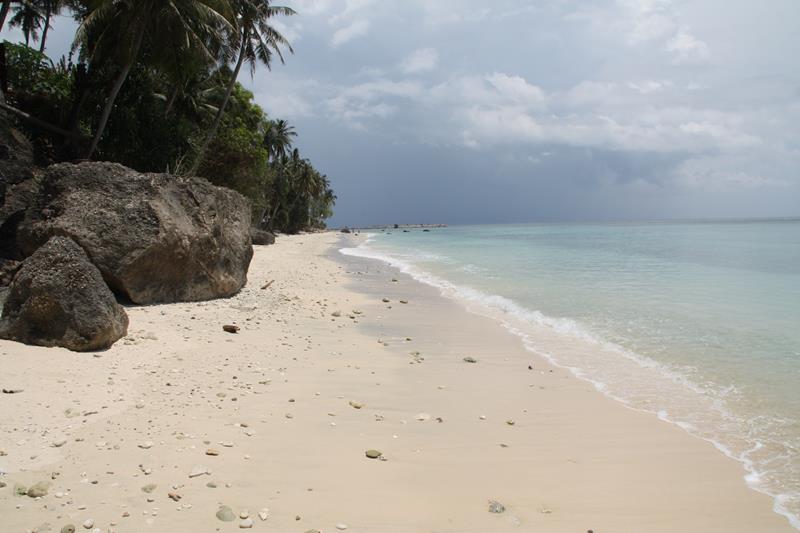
(698, 323)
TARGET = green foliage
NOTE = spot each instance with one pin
(151, 87)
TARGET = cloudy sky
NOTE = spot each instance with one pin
(463, 111)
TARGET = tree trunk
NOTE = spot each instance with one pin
(218, 118)
(46, 27)
(114, 92)
(4, 13)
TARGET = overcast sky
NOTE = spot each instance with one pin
(463, 111)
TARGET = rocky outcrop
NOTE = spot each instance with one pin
(261, 237)
(154, 237)
(17, 186)
(59, 298)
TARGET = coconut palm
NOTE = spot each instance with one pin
(278, 138)
(51, 8)
(254, 41)
(29, 18)
(5, 8)
(118, 29)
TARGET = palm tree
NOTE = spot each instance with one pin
(119, 28)
(28, 17)
(256, 41)
(278, 138)
(5, 7)
(51, 8)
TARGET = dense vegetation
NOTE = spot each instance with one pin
(152, 84)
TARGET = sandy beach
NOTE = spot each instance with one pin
(181, 418)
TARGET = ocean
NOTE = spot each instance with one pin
(697, 323)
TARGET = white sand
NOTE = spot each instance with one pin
(278, 393)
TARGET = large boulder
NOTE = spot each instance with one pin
(154, 237)
(59, 298)
(17, 186)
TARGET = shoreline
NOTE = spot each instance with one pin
(178, 387)
(519, 320)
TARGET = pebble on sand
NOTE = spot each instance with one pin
(69, 528)
(230, 328)
(39, 490)
(373, 454)
(225, 514)
(470, 360)
(496, 507)
(356, 405)
(88, 524)
(247, 523)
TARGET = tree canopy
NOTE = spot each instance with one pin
(153, 84)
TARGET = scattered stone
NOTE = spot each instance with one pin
(385, 300)
(39, 490)
(230, 328)
(341, 527)
(88, 524)
(2, 484)
(403, 301)
(12, 391)
(336, 314)
(59, 443)
(148, 489)
(496, 507)
(174, 496)
(470, 360)
(510, 422)
(423, 417)
(373, 454)
(247, 523)
(212, 452)
(198, 471)
(211, 485)
(263, 514)
(356, 405)
(225, 514)
(146, 445)
(244, 514)
(69, 528)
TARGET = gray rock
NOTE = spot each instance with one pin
(261, 237)
(58, 298)
(154, 237)
(496, 507)
(226, 514)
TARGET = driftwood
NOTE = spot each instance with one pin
(267, 285)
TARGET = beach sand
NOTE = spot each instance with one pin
(273, 402)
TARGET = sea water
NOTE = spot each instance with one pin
(695, 322)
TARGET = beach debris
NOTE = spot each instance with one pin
(336, 314)
(2, 484)
(510, 422)
(355, 405)
(89, 523)
(230, 328)
(313, 531)
(423, 417)
(198, 471)
(403, 301)
(212, 452)
(174, 496)
(12, 391)
(38, 490)
(470, 359)
(263, 514)
(373, 454)
(385, 300)
(59, 443)
(267, 285)
(146, 445)
(496, 507)
(225, 514)
(69, 528)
